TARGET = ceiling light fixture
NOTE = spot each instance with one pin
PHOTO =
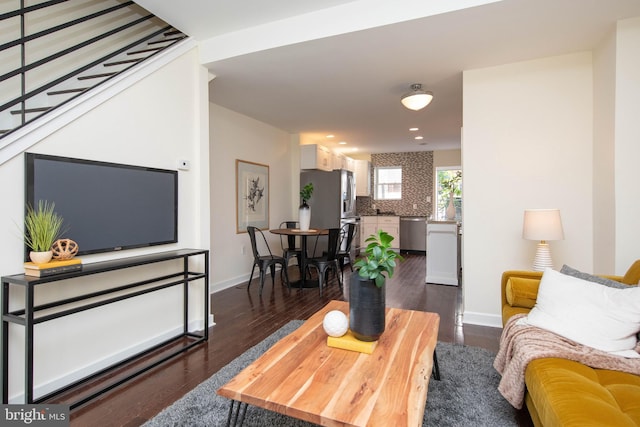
(342, 143)
(417, 99)
(419, 137)
(413, 129)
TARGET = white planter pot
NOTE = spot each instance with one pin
(304, 217)
(40, 257)
(451, 209)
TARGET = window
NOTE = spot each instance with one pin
(449, 182)
(388, 183)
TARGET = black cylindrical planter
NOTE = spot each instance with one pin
(366, 308)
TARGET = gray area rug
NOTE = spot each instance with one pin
(467, 394)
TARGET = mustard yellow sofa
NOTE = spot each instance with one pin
(565, 393)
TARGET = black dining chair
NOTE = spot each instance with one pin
(328, 261)
(291, 249)
(344, 251)
(264, 262)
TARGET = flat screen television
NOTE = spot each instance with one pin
(106, 206)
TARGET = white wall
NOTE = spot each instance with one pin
(604, 89)
(527, 143)
(446, 158)
(235, 136)
(627, 149)
(153, 123)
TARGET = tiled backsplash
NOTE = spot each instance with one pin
(417, 184)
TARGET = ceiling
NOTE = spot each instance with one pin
(341, 68)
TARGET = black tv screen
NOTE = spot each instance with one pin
(106, 206)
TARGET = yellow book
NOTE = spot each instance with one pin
(52, 264)
(349, 342)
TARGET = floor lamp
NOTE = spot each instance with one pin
(542, 225)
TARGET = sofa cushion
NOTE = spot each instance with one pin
(568, 393)
(597, 316)
(522, 292)
(591, 278)
(632, 276)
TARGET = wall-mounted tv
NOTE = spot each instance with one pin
(106, 206)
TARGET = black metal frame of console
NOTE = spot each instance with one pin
(27, 316)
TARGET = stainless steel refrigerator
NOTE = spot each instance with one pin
(333, 202)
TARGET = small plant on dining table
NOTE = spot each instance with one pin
(306, 192)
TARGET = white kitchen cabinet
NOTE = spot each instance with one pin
(339, 161)
(363, 177)
(442, 252)
(390, 224)
(369, 226)
(350, 164)
(314, 156)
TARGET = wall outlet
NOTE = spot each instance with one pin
(428, 199)
(415, 206)
(373, 206)
(243, 250)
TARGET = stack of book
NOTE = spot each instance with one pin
(52, 267)
(349, 342)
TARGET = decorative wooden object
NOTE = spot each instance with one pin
(302, 377)
(64, 249)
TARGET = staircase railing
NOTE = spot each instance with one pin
(111, 34)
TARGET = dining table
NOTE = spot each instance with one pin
(304, 234)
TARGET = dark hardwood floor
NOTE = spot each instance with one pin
(245, 318)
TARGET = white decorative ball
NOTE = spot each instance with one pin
(335, 323)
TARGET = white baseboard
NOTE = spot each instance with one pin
(62, 381)
(235, 281)
(482, 319)
(229, 283)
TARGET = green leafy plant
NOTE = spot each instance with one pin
(380, 258)
(450, 182)
(306, 192)
(43, 226)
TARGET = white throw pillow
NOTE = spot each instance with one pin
(597, 316)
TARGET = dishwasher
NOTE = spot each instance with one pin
(413, 234)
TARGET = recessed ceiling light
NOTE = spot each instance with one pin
(331, 136)
(354, 149)
(342, 143)
(419, 137)
(413, 129)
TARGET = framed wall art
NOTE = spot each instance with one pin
(252, 196)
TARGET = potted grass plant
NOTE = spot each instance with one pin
(42, 227)
(367, 288)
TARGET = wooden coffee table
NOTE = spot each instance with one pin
(301, 377)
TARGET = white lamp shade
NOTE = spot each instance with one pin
(417, 99)
(542, 225)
